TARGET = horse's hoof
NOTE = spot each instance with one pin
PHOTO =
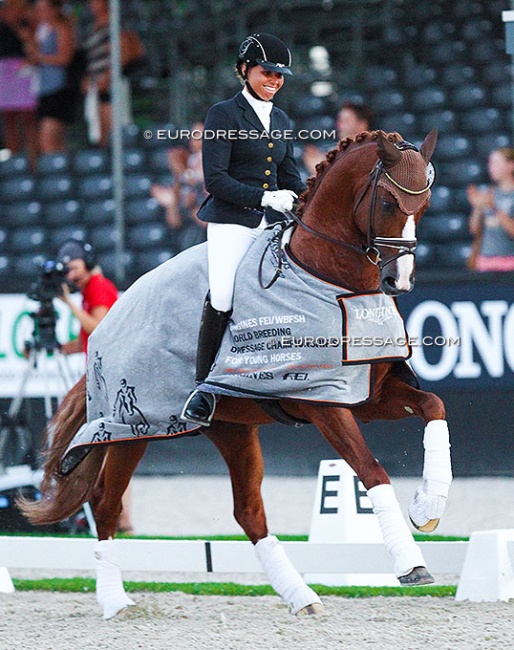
(313, 609)
(418, 576)
(113, 607)
(425, 510)
(429, 527)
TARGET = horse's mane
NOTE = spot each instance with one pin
(334, 154)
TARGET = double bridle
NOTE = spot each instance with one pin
(374, 243)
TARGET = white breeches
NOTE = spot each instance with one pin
(227, 244)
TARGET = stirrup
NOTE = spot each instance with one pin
(199, 408)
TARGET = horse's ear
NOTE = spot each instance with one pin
(428, 146)
(386, 151)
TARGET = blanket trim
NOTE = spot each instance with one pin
(228, 391)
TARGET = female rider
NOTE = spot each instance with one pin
(251, 176)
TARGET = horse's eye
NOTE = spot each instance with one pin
(388, 207)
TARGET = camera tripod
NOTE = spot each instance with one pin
(38, 351)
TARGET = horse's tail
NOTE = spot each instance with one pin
(62, 495)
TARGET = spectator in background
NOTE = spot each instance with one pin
(492, 216)
(51, 49)
(17, 81)
(183, 199)
(352, 118)
(97, 83)
(98, 295)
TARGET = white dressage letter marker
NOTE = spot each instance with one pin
(343, 513)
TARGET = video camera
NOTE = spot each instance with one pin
(49, 284)
(47, 287)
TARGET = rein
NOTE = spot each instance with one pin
(374, 244)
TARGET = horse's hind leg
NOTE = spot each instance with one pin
(240, 447)
(120, 463)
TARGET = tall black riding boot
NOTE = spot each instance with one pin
(199, 407)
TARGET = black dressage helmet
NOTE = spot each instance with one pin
(265, 50)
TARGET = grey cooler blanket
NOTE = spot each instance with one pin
(295, 340)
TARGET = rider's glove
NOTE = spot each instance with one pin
(280, 200)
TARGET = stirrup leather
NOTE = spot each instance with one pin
(199, 408)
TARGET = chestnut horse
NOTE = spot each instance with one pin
(355, 228)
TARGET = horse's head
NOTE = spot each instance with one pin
(365, 202)
(399, 189)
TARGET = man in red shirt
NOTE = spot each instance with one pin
(98, 293)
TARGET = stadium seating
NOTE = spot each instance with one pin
(137, 185)
(108, 262)
(28, 240)
(58, 236)
(103, 237)
(21, 213)
(158, 162)
(4, 236)
(444, 120)
(445, 228)
(149, 259)
(451, 146)
(98, 212)
(17, 188)
(25, 267)
(92, 161)
(143, 210)
(55, 187)
(430, 65)
(52, 163)
(148, 235)
(133, 161)
(60, 213)
(95, 186)
(15, 165)
(440, 200)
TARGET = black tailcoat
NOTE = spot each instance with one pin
(241, 161)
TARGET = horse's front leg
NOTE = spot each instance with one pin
(241, 449)
(340, 429)
(396, 400)
(120, 463)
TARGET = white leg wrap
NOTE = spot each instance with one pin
(283, 577)
(430, 500)
(398, 539)
(110, 592)
(437, 468)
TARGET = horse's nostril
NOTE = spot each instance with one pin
(389, 286)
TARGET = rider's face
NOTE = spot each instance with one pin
(265, 83)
